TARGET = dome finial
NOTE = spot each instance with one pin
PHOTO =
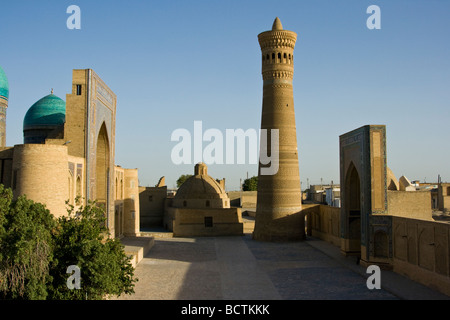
(52, 91)
(277, 24)
(200, 169)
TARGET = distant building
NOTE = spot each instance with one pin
(443, 197)
(333, 196)
(405, 184)
(328, 194)
(201, 207)
(152, 203)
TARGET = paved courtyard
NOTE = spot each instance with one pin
(239, 268)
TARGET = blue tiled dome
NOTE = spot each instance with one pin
(50, 111)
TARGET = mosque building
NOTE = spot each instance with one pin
(68, 154)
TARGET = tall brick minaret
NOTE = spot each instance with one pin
(278, 216)
(4, 93)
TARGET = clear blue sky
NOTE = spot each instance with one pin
(173, 62)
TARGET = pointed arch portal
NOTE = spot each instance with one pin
(365, 225)
(102, 168)
(353, 207)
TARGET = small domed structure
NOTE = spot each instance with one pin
(45, 119)
(201, 207)
(201, 191)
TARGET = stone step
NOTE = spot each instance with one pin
(137, 247)
(156, 234)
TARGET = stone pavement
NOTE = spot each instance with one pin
(239, 268)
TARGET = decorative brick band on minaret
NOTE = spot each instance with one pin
(3, 107)
(4, 94)
(278, 212)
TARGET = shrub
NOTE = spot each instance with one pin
(36, 249)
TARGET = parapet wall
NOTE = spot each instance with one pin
(323, 222)
(422, 251)
(421, 248)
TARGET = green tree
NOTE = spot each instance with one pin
(82, 240)
(36, 249)
(182, 179)
(250, 184)
(26, 247)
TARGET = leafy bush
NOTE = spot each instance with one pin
(36, 249)
(26, 247)
(82, 240)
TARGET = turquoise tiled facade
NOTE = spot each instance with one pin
(4, 86)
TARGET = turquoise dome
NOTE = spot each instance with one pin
(50, 111)
(4, 86)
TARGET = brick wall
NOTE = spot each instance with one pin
(422, 251)
(41, 173)
(410, 204)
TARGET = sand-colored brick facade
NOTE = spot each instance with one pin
(444, 197)
(41, 173)
(415, 204)
(79, 166)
